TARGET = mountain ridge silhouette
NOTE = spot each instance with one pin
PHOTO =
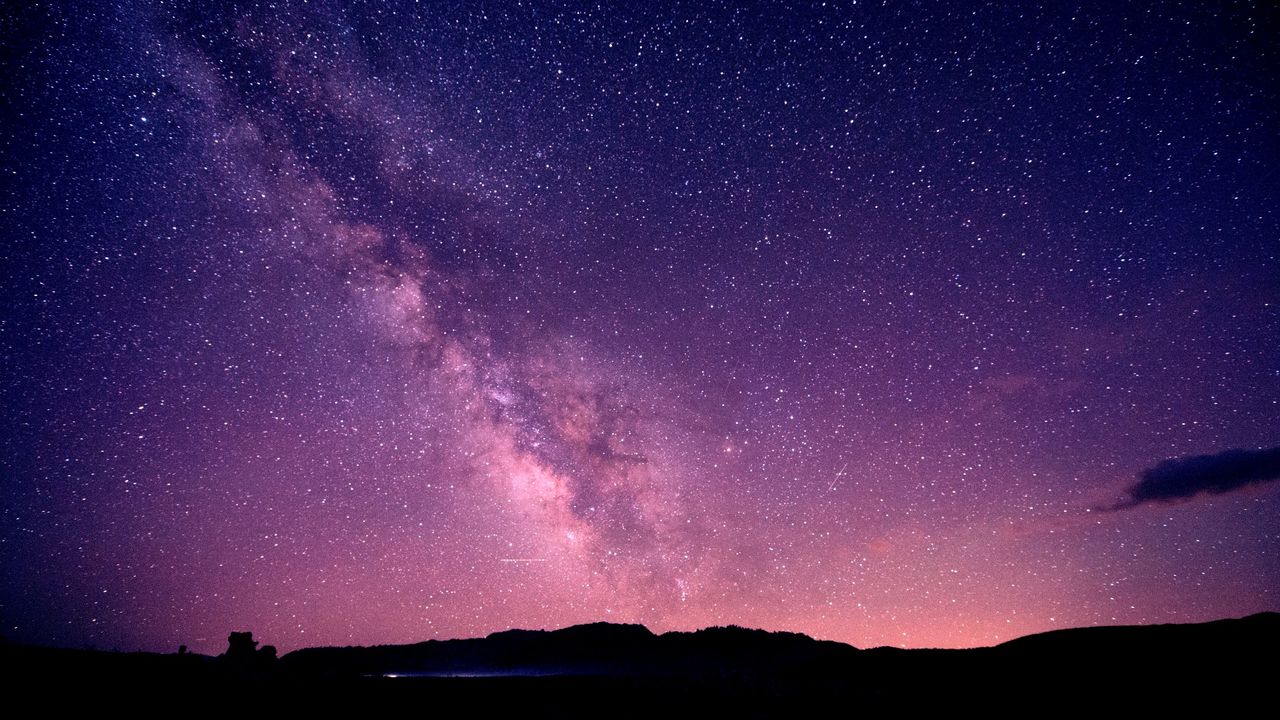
(635, 672)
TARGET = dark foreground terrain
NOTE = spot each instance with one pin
(605, 670)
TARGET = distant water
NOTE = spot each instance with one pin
(512, 672)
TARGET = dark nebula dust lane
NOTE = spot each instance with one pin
(889, 324)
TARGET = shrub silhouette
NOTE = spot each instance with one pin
(241, 646)
(245, 659)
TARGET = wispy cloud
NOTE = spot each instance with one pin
(1183, 478)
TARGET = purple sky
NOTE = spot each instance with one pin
(870, 321)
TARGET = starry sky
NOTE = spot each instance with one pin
(915, 324)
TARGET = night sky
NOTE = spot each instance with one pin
(919, 324)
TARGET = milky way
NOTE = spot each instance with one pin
(379, 323)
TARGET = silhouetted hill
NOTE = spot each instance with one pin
(595, 649)
(628, 671)
(1253, 631)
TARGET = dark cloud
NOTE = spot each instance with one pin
(1183, 478)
